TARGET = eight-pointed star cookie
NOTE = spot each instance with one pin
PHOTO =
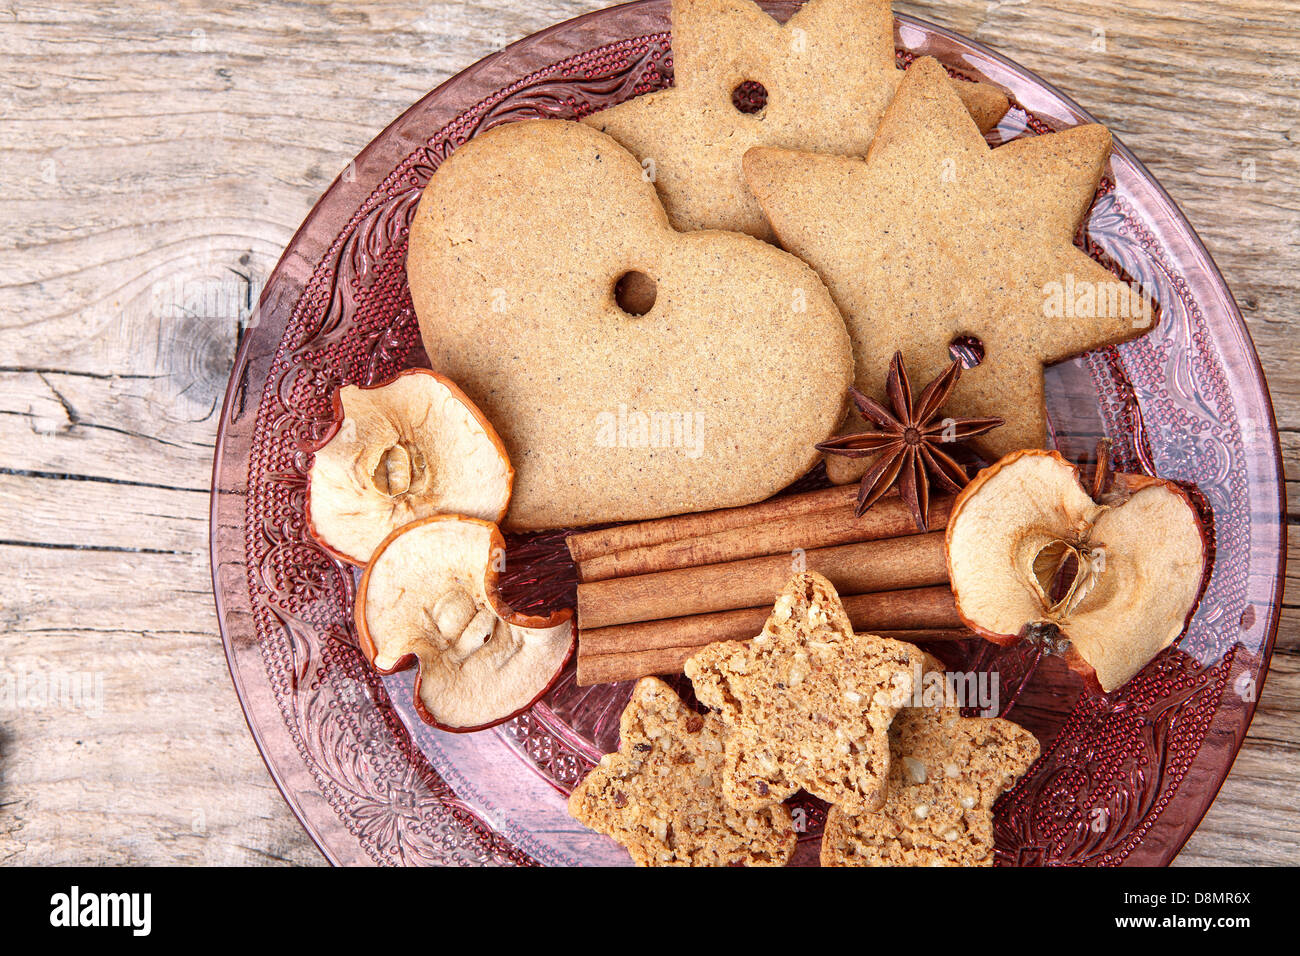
(829, 73)
(934, 237)
(945, 774)
(660, 794)
(807, 703)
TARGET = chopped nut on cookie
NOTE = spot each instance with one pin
(807, 703)
(660, 794)
(947, 772)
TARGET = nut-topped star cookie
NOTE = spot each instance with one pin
(946, 773)
(934, 238)
(660, 794)
(828, 74)
(807, 703)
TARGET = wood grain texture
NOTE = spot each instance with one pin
(154, 161)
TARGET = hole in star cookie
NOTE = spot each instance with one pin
(967, 349)
(749, 97)
(635, 292)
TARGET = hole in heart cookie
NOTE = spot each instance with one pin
(635, 292)
(967, 349)
(749, 97)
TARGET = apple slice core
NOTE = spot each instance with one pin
(1030, 552)
(409, 449)
(430, 597)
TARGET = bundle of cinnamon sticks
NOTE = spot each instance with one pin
(653, 593)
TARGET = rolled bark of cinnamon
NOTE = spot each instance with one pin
(890, 564)
(889, 518)
(608, 668)
(591, 544)
(913, 609)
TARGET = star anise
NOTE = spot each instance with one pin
(907, 444)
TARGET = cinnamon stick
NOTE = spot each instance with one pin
(608, 668)
(889, 518)
(916, 608)
(590, 544)
(887, 565)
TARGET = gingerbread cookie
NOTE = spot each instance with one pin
(826, 75)
(632, 371)
(936, 239)
(659, 795)
(807, 703)
(946, 772)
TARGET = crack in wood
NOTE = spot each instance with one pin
(67, 476)
(108, 548)
(73, 418)
(99, 376)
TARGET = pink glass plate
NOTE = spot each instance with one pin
(1124, 778)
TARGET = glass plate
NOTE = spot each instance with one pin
(1124, 778)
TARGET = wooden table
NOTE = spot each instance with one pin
(156, 159)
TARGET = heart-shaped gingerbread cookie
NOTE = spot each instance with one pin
(632, 371)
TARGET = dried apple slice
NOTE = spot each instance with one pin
(430, 597)
(412, 448)
(1031, 553)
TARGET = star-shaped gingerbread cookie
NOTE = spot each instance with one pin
(945, 774)
(935, 238)
(660, 794)
(807, 703)
(828, 74)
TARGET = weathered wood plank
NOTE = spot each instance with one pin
(101, 515)
(134, 429)
(122, 738)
